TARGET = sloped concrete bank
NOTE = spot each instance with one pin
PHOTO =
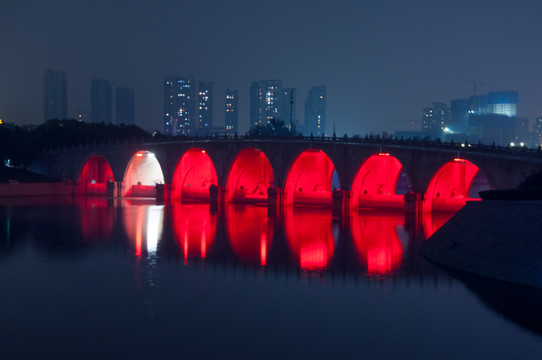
(497, 239)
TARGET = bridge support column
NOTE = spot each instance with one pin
(275, 200)
(163, 193)
(217, 196)
(340, 202)
(110, 188)
(413, 209)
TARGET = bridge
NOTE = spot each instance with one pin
(347, 173)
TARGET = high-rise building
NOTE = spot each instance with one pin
(537, 130)
(460, 110)
(436, 119)
(101, 101)
(231, 112)
(265, 101)
(55, 95)
(315, 111)
(288, 102)
(179, 105)
(503, 103)
(205, 105)
(124, 106)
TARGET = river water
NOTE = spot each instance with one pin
(107, 279)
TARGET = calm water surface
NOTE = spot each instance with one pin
(98, 279)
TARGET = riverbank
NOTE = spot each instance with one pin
(496, 239)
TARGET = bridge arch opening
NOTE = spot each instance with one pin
(193, 176)
(95, 175)
(249, 178)
(142, 174)
(310, 179)
(380, 183)
(455, 183)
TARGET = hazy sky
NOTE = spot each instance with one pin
(381, 61)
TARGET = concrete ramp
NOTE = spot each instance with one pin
(497, 239)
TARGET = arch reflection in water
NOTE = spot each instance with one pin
(380, 240)
(195, 229)
(97, 218)
(310, 236)
(144, 225)
(250, 231)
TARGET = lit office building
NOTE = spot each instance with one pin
(179, 105)
(231, 115)
(315, 111)
(101, 101)
(205, 106)
(55, 95)
(265, 101)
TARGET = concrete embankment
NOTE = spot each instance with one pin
(35, 189)
(497, 239)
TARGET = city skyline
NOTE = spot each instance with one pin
(381, 62)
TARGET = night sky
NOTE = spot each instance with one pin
(381, 61)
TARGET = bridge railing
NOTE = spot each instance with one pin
(356, 139)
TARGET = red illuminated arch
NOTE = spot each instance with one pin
(195, 229)
(95, 175)
(142, 174)
(194, 174)
(249, 178)
(449, 188)
(310, 236)
(250, 232)
(375, 184)
(309, 179)
(377, 242)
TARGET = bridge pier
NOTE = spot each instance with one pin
(413, 209)
(340, 202)
(275, 200)
(217, 196)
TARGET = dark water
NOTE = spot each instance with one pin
(98, 279)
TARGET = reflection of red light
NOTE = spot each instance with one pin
(375, 183)
(249, 178)
(309, 179)
(250, 232)
(376, 241)
(309, 235)
(193, 175)
(263, 249)
(139, 231)
(96, 218)
(194, 228)
(432, 221)
(313, 256)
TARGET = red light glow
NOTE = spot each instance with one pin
(309, 179)
(194, 228)
(375, 183)
(449, 188)
(309, 235)
(250, 232)
(249, 178)
(97, 218)
(377, 242)
(94, 176)
(194, 174)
